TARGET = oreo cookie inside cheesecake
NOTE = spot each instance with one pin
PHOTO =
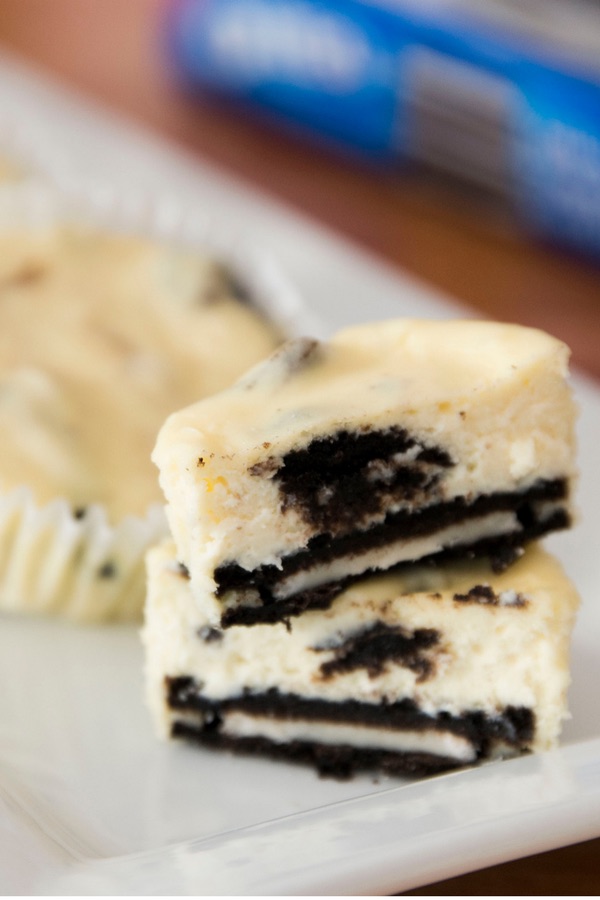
(411, 673)
(392, 443)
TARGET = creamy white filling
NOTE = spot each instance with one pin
(498, 523)
(241, 725)
(545, 509)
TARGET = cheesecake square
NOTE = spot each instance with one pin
(409, 673)
(392, 443)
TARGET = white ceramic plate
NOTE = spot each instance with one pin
(91, 803)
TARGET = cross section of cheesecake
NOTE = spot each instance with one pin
(392, 443)
(410, 673)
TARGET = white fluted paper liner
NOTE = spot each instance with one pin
(84, 568)
(81, 568)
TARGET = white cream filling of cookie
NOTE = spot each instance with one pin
(238, 724)
(401, 551)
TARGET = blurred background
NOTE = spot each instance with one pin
(458, 141)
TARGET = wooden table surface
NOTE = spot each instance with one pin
(111, 50)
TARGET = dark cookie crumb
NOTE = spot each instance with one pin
(210, 635)
(379, 644)
(107, 570)
(483, 594)
(480, 593)
(266, 468)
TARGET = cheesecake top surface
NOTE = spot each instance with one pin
(400, 370)
(101, 336)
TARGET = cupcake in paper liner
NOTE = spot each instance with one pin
(107, 324)
(76, 566)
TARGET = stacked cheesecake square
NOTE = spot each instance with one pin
(353, 577)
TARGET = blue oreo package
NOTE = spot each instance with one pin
(487, 91)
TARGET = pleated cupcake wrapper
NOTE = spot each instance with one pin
(84, 569)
